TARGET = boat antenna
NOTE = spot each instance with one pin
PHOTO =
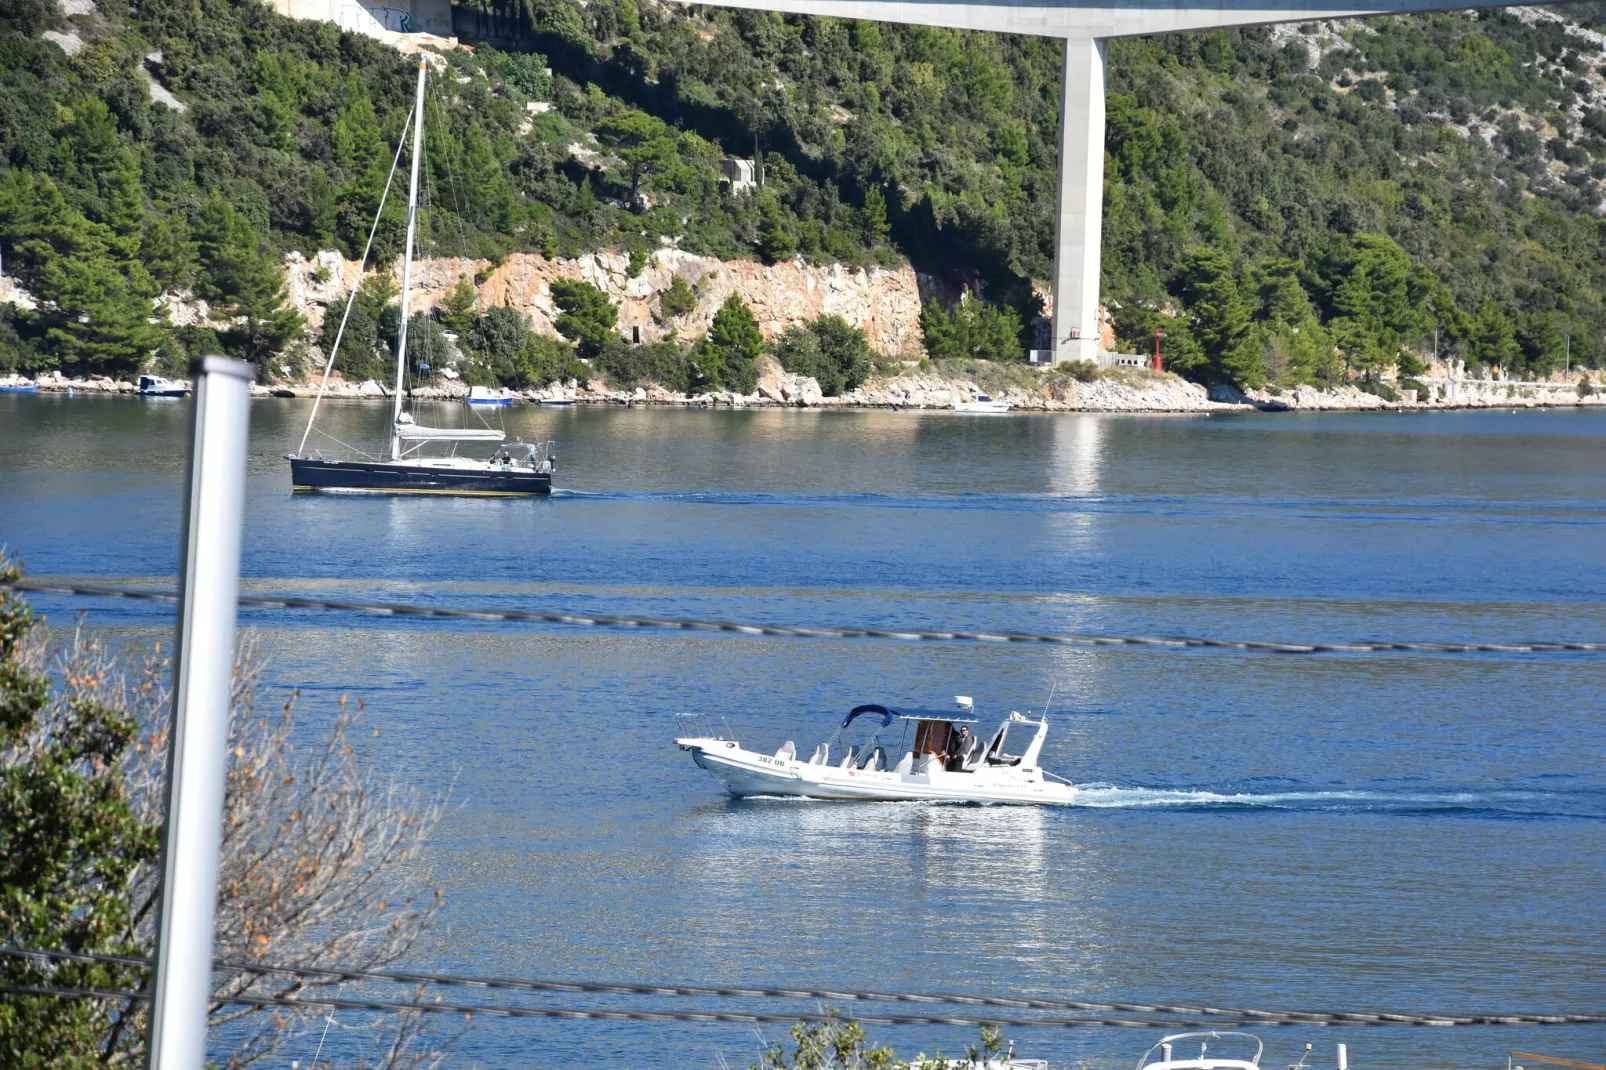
(407, 262)
(1052, 684)
(351, 299)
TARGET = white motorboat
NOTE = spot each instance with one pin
(154, 386)
(981, 403)
(1171, 1059)
(939, 759)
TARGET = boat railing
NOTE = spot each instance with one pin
(701, 726)
(1165, 1044)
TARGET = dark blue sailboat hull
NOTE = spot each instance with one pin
(381, 477)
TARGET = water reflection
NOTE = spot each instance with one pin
(1076, 460)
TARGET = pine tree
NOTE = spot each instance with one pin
(873, 218)
(1492, 340)
(941, 332)
(642, 142)
(364, 160)
(97, 308)
(677, 300)
(587, 317)
(167, 251)
(726, 354)
(102, 313)
(457, 307)
(123, 204)
(1220, 318)
(243, 278)
(776, 240)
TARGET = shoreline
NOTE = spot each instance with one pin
(1135, 392)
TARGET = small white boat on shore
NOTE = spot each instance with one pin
(983, 404)
(935, 757)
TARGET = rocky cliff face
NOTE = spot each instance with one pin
(885, 304)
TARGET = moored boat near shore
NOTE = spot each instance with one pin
(517, 469)
(942, 762)
(154, 386)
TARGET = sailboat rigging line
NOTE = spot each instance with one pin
(351, 299)
(407, 263)
(457, 202)
(347, 445)
(1211, 1015)
(1157, 642)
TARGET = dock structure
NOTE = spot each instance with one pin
(1085, 26)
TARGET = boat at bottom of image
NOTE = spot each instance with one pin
(937, 758)
(1170, 1058)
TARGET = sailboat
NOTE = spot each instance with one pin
(514, 469)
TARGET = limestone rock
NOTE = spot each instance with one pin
(884, 303)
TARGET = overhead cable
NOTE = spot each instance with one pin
(1264, 1017)
(1164, 642)
(468, 1009)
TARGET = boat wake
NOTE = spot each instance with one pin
(1509, 804)
(1499, 805)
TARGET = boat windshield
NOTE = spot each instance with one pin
(1010, 744)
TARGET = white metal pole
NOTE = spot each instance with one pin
(407, 263)
(203, 667)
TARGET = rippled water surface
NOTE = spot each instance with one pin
(1396, 832)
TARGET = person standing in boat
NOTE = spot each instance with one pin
(959, 747)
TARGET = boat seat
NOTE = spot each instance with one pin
(821, 755)
(875, 761)
(978, 750)
(851, 757)
(787, 752)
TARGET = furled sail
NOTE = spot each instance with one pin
(408, 431)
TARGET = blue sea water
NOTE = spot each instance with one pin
(1401, 832)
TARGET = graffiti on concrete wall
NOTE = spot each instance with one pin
(359, 17)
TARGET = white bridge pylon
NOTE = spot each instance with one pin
(1085, 27)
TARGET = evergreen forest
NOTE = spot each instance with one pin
(1313, 203)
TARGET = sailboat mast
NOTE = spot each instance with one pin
(407, 262)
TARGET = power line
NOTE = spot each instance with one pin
(1264, 1017)
(1161, 642)
(347, 1003)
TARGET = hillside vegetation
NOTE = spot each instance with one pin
(1305, 204)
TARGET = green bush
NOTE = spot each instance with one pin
(833, 351)
(1083, 371)
(676, 301)
(666, 364)
(498, 337)
(587, 315)
(362, 354)
(723, 360)
(971, 329)
(546, 360)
